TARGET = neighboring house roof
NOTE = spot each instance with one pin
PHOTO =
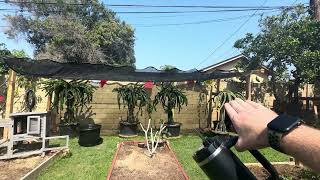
(229, 60)
(221, 63)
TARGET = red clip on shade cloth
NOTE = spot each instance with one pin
(1, 99)
(148, 85)
(103, 82)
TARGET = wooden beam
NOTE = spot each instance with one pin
(53, 115)
(315, 108)
(248, 87)
(209, 120)
(10, 98)
(10, 93)
(218, 85)
(307, 95)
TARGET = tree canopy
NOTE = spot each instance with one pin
(4, 52)
(79, 31)
(288, 44)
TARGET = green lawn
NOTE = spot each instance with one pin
(93, 162)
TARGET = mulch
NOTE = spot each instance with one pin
(132, 163)
(13, 169)
(286, 172)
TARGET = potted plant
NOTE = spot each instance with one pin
(72, 94)
(131, 96)
(170, 98)
(224, 122)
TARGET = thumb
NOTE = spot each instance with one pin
(239, 145)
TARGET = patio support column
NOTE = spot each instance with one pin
(53, 116)
(307, 98)
(9, 98)
(248, 87)
(209, 121)
(10, 93)
(218, 85)
(217, 92)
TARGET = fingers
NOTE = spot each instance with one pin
(232, 114)
(255, 105)
(245, 105)
(236, 106)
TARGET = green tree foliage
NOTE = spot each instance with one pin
(3, 66)
(288, 44)
(74, 31)
(167, 67)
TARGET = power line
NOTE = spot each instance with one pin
(231, 35)
(293, 4)
(153, 12)
(197, 22)
(151, 6)
(195, 6)
(52, 3)
(178, 12)
(188, 23)
(192, 23)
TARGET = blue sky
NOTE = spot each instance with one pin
(183, 46)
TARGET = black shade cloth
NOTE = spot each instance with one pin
(52, 69)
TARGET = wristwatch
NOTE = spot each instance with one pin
(280, 126)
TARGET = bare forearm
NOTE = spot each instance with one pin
(303, 143)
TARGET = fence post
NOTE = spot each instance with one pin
(9, 99)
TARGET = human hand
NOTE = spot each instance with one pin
(250, 121)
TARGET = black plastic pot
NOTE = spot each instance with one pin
(89, 135)
(127, 129)
(68, 129)
(173, 130)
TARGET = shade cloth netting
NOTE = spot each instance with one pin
(53, 69)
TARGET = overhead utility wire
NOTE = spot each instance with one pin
(190, 23)
(231, 35)
(150, 6)
(29, 2)
(194, 22)
(198, 22)
(153, 12)
(194, 6)
(293, 4)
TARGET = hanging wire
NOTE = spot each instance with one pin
(230, 36)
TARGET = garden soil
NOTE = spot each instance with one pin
(286, 172)
(16, 168)
(132, 164)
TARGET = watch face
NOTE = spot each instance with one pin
(283, 123)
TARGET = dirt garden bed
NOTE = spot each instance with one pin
(285, 171)
(131, 163)
(17, 168)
